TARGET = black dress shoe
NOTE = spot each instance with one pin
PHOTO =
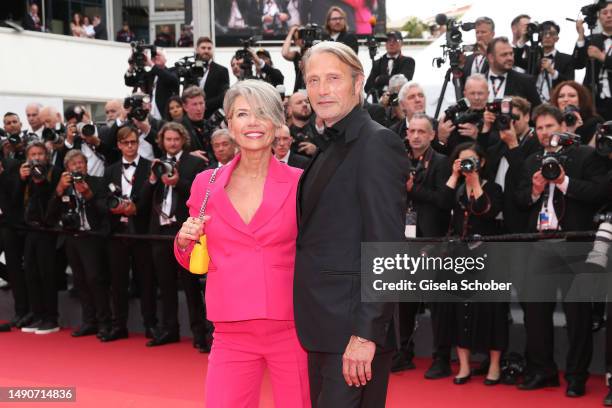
(150, 332)
(462, 380)
(5, 327)
(402, 360)
(575, 389)
(488, 381)
(440, 368)
(162, 338)
(608, 400)
(103, 331)
(538, 381)
(115, 333)
(24, 320)
(85, 330)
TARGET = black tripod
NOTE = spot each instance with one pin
(456, 73)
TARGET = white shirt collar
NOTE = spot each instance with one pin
(177, 156)
(285, 158)
(123, 160)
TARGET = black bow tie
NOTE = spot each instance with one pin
(128, 165)
(496, 78)
(172, 159)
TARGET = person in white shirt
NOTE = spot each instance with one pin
(33, 114)
(282, 149)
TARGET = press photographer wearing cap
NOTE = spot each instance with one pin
(393, 62)
(349, 351)
(264, 68)
(129, 214)
(562, 186)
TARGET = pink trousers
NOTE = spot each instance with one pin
(240, 353)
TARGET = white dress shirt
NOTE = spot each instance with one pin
(495, 85)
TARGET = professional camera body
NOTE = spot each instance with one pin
(603, 138)
(214, 121)
(454, 38)
(591, 11)
(38, 170)
(461, 113)
(190, 70)
(310, 33)
(54, 135)
(470, 165)
(568, 115)
(70, 217)
(553, 161)
(502, 108)
(138, 58)
(163, 167)
(115, 197)
(136, 104)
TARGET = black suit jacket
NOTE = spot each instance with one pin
(273, 76)
(100, 32)
(188, 168)
(581, 60)
(217, 83)
(139, 223)
(297, 160)
(518, 84)
(564, 64)
(95, 207)
(351, 193)
(403, 65)
(586, 190)
(467, 67)
(429, 198)
(8, 176)
(28, 23)
(347, 38)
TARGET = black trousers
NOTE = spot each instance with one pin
(604, 107)
(13, 241)
(86, 257)
(39, 264)
(442, 321)
(329, 390)
(168, 273)
(407, 319)
(540, 338)
(123, 255)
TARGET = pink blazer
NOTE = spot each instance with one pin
(251, 270)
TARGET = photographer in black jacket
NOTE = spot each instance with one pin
(568, 203)
(129, 215)
(78, 207)
(31, 192)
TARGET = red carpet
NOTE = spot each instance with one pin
(127, 374)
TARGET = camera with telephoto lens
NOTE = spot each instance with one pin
(86, 129)
(461, 113)
(190, 70)
(138, 57)
(13, 139)
(598, 256)
(310, 34)
(568, 115)
(214, 121)
(452, 49)
(163, 166)
(552, 162)
(603, 138)
(502, 108)
(54, 135)
(38, 170)
(70, 218)
(135, 103)
(470, 165)
(115, 198)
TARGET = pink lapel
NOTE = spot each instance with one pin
(276, 190)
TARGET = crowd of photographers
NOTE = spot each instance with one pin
(525, 149)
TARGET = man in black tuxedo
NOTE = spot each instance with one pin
(598, 48)
(350, 344)
(195, 106)
(282, 149)
(567, 203)
(168, 192)
(130, 215)
(264, 68)
(503, 80)
(77, 206)
(160, 82)
(215, 81)
(428, 216)
(393, 62)
(31, 21)
(337, 30)
(411, 99)
(476, 63)
(554, 66)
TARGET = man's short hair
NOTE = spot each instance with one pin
(406, 87)
(126, 131)
(72, 154)
(547, 25)
(192, 92)
(220, 133)
(421, 115)
(178, 128)
(396, 82)
(522, 104)
(485, 20)
(7, 114)
(494, 42)
(518, 18)
(477, 77)
(546, 109)
(39, 145)
(203, 39)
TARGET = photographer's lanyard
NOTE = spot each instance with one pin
(80, 202)
(497, 88)
(478, 64)
(544, 85)
(547, 219)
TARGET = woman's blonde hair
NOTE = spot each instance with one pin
(261, 97)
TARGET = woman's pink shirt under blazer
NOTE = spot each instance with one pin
(251, 266)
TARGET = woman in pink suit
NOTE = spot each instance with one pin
(251, 230)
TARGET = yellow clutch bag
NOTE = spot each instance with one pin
(199, 259)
